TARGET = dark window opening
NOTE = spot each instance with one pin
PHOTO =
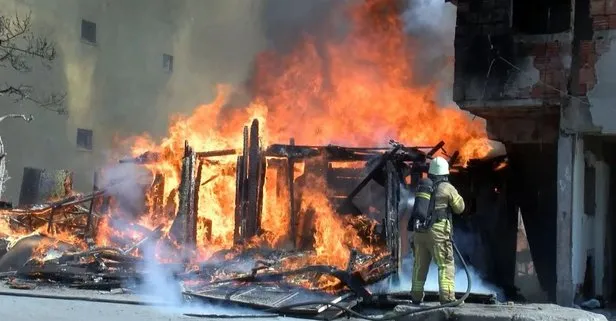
(168, 62)
(84, 138)
(541, 16)
(88, 31)
(589, 190)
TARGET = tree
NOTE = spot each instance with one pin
(19, 47)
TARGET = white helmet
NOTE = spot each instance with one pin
(438, 166)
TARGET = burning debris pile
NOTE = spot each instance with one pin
(221, 208)
(107, 244)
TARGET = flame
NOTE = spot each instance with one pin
(355, 91)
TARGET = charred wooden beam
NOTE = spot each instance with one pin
(241, 192)
(214, 153)
(157, 192)
(88, 235)
(436, 148)
(344, 172)
(170, 204)
(454, 158)
(239, 200)
(253, 183)
(184, 227)
(208, 230)
(290, 184)
(261, 187)
(392, 224)
(195, 201)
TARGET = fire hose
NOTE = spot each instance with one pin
(392, 316)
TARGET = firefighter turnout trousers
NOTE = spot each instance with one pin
(434, 243)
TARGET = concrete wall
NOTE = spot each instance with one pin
(118, 86)
(601, 81)
(584, 226)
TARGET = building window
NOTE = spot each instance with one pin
(541, 16)
(88, 31)
(84, 138)
(168, 62)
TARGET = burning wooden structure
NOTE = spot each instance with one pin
(347, 172)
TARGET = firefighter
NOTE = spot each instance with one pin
(434, 239)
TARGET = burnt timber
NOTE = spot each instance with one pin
(387, 168)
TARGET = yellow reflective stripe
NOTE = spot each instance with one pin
(423, 195)
(456, 200)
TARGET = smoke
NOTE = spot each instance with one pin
(430, 25)
(126, 183)
(478, 285)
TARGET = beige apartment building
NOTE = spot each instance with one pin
(126, 67)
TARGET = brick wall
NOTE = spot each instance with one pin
(550, 56)
(603, 17)
(550, 59)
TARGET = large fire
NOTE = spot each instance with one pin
(355, 91)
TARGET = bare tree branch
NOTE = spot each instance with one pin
(18, 46)
(27, 118)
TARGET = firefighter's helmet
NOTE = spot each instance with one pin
(438, 166)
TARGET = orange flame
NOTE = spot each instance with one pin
(355, 91)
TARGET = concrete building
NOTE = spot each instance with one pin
(126, 66)
(541, 74)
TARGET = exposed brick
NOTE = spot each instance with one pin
(587, 75)
(586, 46)
(610, 6)
(540, 62)
(555, 63)
(597, 7)
(612, 21)
(537, 91)
(539, 49)
(582, 89)
(600, 23)
(552, 49)
(587, 52)
(588, 58)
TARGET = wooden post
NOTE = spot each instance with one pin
(292, 214)
(88, 235)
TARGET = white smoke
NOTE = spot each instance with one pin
(431, 25)
(159, 284)
(461, 281)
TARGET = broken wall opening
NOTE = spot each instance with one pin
(533, 193)
(609, 278)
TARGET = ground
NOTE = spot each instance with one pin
(19, 305)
